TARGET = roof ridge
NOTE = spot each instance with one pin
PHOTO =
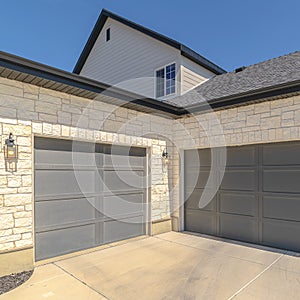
(268, 60)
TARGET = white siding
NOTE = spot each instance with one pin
(192, 74)
(128, 55)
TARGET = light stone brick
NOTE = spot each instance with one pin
(24, 156)
(57, 129)
(25, 123)
(49, 98)
(11, 90)
(253, 120)
(65, 131)
(17, 199)
(262, 107)
(71, 109)
(27, 236)
(6, 246)
(37, 127)
(31, 96)
(23, 141)
(47, 118)
(25, 190)
(47, 128)
(6, 190)
(24, 164)
(8, 112)
(3, 181)
(8, 121)
(24, 149)
(26, 180)
(15, 181)
(287, 123)
(282, 103)
(272, 122)
(18, 230)
(11, 209)
(31, 89)
(10, 238)
(288, 115)
(64, 118)
(22, 214)
(47, 108)
(6, 232)
(28, 207)
(23, 243)
(23, 222)
(6, 221)
(16, 130)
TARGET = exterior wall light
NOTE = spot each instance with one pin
(11, 149)
(165, 156)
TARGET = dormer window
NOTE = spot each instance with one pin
(108, 34)
(166, 81)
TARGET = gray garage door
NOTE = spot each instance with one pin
(98, 200)
(258, 200)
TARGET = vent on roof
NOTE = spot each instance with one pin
(239, 69)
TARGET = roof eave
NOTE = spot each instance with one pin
(247, 97)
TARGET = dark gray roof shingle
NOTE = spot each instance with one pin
(276, 71)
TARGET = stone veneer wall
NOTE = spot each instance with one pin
(28, 111)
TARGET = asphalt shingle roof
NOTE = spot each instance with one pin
(276, 71)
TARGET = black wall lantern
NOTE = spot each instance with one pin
(165, 156)
(11, 149)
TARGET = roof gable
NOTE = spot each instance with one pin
(185, 51)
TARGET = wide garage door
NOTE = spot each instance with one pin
(259, 197)
(86, 195)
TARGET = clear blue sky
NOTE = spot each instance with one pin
(231, 33)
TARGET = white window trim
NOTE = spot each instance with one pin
(165, 96)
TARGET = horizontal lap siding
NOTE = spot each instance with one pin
(128, 55)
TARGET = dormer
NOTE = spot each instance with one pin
(123, 53)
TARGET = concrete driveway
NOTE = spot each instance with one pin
(168, 266)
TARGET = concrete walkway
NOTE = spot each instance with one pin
(168, 266)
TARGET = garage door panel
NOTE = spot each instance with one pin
(116, 230)
(240, 228)
(71, 205)
(58, 242)
(241, 156)
(193, 201)
(240, 180)
(124, 204)
(194, 158)
(56, 182)
(281, 234)
(124, 150)
(197, 176)
(123, 180)
(67, 158)
(259, 197)
(239, 203)
(123, 161)
(281, 207)
(281, 154)
(281, 181)
(64, 211)
(200, 179)
(200, 221)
